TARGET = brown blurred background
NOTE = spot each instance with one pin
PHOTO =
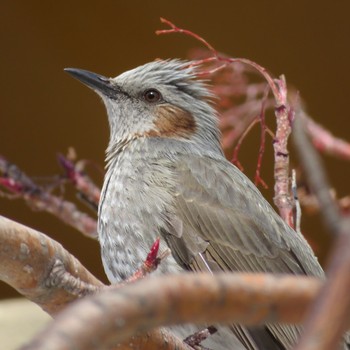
(44, 111)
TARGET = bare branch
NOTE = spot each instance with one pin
(44, 272)
(18, 183)
(323, 333)
(27, 259)
(258, 179)
(84, 185)
(324, 141)
(296, 202)
(112, 316)
(284, 115)
(317, 178)
(60, 278)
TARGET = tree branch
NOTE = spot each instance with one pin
(112, 316)
(83, 183)
(44, 272)
(323, 333)
(27, 259)
(21, 185)
(324, 141)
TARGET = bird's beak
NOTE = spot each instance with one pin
(97, 82)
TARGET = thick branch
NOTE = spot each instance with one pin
(27, 259)
(283, 112)
(29, 263)
(112, 316)
(323, 333)
(316, 176)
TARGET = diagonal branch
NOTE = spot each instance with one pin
(322, 333)
(27, 259)
(83, 183)
(44, 272)
(324, 141)
(21, 185)
(316, 175)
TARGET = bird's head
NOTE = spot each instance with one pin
(162, 99)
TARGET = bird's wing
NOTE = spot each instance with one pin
(224, 215)
(225, 224)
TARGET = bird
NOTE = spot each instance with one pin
(167, 176)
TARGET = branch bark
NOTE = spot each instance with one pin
(28, 259)
(321, 332)
(112, 316)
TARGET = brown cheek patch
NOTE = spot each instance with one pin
(173, 121)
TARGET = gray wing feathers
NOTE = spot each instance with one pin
(218, 203)
(237, 230)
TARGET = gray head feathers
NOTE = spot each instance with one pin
(185, 103)
(171, 73)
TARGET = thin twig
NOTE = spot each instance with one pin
(258, 179)
(84, 185)
(234, 159)
(17, 182)
(324, 141)
(296, 202)
(151, 263)
(198, 337)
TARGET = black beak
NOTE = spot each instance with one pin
(94, 81)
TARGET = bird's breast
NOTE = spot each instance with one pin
(135, 206)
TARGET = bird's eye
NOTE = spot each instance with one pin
(152, 96)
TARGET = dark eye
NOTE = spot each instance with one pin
(152, 95)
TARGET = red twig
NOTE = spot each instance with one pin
(261, 118)
(17, 182)
(11, 185)
(88, 190)
(217, 57)
(151, 263)
(239, 144)
(258, 179)
(325, 142)
(236, 120)
(175, 29)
